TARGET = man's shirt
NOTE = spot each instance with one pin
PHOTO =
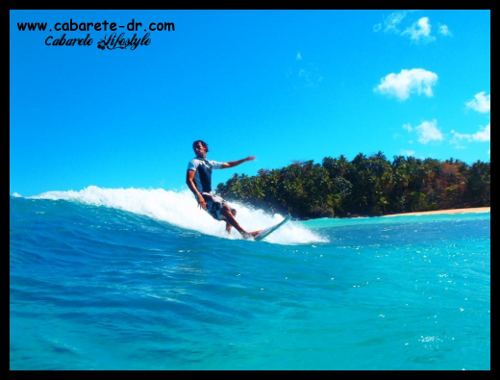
(203, 173)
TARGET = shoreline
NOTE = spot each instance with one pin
(472, 210)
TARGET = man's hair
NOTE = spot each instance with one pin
(202, 143)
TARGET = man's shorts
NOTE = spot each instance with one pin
(215, 205)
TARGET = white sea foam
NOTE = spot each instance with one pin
(180, 208)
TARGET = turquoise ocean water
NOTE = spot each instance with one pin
(142, 279)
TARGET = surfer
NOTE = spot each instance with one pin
(199, 181)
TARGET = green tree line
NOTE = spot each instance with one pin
(365, 186)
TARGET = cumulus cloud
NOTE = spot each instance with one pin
(401, 85)
(428, 131)
(482, 135)
(420, 31)
(480, 103)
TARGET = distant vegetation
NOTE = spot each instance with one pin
(365, 186)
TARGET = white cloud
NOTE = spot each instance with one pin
(420, 31)
(444, 30)
(391, 23)
(428, 131)
(482, 135)
(401, 85)
(298, 57)
(480, 103)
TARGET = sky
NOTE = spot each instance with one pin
(282, 85)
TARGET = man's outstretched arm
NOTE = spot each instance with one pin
(231, 164)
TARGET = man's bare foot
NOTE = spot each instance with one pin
(255, 233)
(250, 235)
(246, 235)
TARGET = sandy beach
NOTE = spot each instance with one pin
(450, 211)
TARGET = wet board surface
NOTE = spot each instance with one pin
(267, 231)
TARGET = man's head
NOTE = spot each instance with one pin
(200, 148)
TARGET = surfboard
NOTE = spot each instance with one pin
(267, 231)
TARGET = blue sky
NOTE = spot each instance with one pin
(280, 85)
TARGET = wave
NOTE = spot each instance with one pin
(179, 208)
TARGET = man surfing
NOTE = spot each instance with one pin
(199, 181)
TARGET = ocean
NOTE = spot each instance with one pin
(141, 279)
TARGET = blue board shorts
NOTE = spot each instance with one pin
(215, 205)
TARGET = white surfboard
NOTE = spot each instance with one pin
(267, 231)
